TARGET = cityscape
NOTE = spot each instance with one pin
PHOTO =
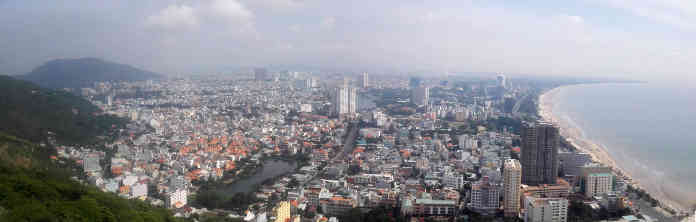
(347, 111)
(347, 144)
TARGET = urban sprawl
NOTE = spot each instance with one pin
(412, 148)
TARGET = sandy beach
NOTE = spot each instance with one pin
(574, 136)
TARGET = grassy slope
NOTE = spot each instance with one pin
(35, 189)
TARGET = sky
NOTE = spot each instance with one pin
(632, 39)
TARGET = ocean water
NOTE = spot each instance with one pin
(649, 129)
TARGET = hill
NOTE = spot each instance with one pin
(36, 189)
(83, 72)
(29, 111)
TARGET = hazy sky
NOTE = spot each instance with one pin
(641, 39)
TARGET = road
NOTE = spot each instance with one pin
(347, 148)
(516, 108)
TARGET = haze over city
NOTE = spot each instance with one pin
(347, 111)
(641, 40)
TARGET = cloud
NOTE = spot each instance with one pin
(295, 28)
(277, 5)
(204, 13)
(230, 11)
(573, 19)
(677, 13)
(328, 23)
(173, 17)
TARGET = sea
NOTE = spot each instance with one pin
(649, 129)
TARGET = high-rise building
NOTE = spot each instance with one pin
(260, 74)
(303, 83)
(485, 196)
(539, 158)
(546, 209)
(420, 95)
(512, 178)
(596, 180)
(501, 81)
(345, 100)
(571, 162)
(365, 80)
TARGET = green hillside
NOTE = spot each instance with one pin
(33, 188)
(29, 111)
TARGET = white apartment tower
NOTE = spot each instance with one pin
(597, 179)
(545, 209)
(345, 100)
(501, 81)
(365, 80)
(512, 178)
(598, 183)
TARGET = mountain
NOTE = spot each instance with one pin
(83, 72)
(30, 112)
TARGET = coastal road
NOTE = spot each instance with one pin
(516, 108)
(646, 209)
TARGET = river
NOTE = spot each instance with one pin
(271, 168)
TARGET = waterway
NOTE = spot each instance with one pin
(271, 168)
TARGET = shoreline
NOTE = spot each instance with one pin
(573, 136)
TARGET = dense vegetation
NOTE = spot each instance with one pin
(84, 72)
(30, 112)
(35, 189)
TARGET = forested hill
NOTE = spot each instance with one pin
(34, 188)
(84, 72)
(30, 112)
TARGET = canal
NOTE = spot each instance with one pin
(271, 168)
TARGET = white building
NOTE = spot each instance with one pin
(365, 80)
(380, 118)
(512, 178)
(129, 180)
(598, 183)
(596, 179)
(420, 96)
(306, 108)
(501, 81)
(139, 190)
(345, 100)
(453, 180)
(176, 198)
(303, 84)
(90, 163)
(546, 209)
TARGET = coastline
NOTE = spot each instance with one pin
(574, 137)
